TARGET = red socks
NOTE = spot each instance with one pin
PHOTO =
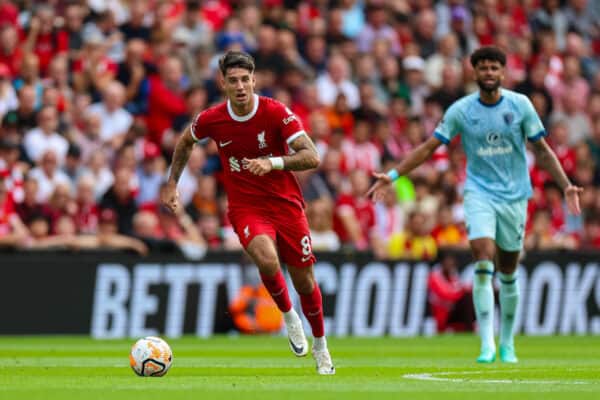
(312, 307)
(278, 290)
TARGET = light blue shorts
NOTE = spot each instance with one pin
(503, 222)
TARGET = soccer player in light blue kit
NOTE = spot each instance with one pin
(494, 124)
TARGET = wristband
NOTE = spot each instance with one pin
(276, 162)
(393, 174)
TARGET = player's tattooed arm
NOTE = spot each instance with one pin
(546, 158)
(181, 155)
(305, 156)
(169, 197)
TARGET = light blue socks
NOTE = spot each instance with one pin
(483, 299)
(509, 299)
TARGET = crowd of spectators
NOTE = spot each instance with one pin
(93, 95)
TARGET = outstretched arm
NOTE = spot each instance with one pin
(412, 161)
(183, 148)
(546, 158)
(305, 157)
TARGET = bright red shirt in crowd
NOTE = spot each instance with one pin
(363, 210)
(48, 45)
(163, 106)
(7, 213)
(444, 292)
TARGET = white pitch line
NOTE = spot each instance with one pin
(439, 377)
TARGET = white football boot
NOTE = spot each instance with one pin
(324, 363)
(295, 331)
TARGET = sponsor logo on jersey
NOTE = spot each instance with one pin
(497, 146)
(223, 144)
(234, 164)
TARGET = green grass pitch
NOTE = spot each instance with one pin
(241, 368)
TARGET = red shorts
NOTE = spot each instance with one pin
(287, 226)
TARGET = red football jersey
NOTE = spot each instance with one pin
(265, 132)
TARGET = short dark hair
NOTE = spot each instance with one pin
(491, 53)
(236, 59)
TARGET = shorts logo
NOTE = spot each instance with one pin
(247, 231)
(305, 259)
(262, 143)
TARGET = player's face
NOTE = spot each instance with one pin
(239, 86)
(489, 75)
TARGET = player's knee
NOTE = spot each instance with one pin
(266, 260)
(484, 271)
(482, 252)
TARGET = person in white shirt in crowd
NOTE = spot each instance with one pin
(48, 175)
(100, 171)
(44, 137)
(150, 174)
(320, 221)
(115, 120)
(8, 96)
(336, 80)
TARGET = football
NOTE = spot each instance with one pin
(150, 356)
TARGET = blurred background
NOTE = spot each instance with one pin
(93, 96)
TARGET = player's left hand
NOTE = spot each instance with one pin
(572, 197)
(258, 166)
(378, 189)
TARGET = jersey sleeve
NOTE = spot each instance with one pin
(290, 125)
(531, 124)
(198, 127)
(449, 126)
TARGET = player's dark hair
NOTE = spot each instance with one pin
(490, 53)
(236, 59)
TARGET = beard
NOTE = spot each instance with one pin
(488, 87)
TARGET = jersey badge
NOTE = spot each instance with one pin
(262, 143)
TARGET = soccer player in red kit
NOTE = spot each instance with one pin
(254, 135)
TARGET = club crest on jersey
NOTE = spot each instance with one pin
(262, 143)
(508, 118)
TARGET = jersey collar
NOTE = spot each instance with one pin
(492, 105)
(243, 118)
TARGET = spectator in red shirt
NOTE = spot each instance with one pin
(8, 13)
(11, 54)
(166, 100)
(94, 70)
(43, 39)
(354, 218)
(12, 230)
(449, 299)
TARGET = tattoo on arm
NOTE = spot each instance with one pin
(306, 156)
(545, 157)
(182, 152)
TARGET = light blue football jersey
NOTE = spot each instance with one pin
(493, 138)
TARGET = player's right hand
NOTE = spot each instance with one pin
(170, 197)
(378, 189)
